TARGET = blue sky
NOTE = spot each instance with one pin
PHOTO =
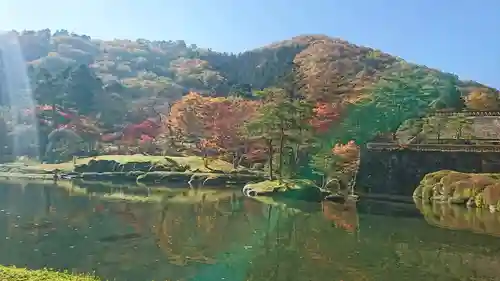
(459, 36)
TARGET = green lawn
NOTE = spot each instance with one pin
(22, 274)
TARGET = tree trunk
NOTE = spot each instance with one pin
(171, 136)
(271, 152)
(240, 159)
(324, 178)
(54, 113)
(280, 156)
(205, 158)
(235, 160)
(297, 158)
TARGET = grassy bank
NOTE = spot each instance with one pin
(195, 163)
(23, 274)
(138, 168)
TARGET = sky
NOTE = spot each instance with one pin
(458, 36)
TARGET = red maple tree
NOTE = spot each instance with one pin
(325, 115)
(223, 121)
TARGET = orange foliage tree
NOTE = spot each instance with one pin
(482, 100)
(347, 156)
(223, 122)
(216, 122)
(325, 115)
(184, 115)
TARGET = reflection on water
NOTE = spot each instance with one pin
(459, 218)
(137, 234)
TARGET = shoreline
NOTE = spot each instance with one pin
(138, 169)
(150, 178)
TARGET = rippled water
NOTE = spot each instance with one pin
(181, 234)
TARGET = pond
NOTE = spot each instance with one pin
(182, 234)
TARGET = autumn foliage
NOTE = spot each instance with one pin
(325, 115)
(482, 100)
(144, 131)
(87, 127)
(83, 125)
(218, 122)
(347, 155)
(184, 115)
(347, 151)
(328, 74)
(223, 120)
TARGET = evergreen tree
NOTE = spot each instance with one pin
(83, 89)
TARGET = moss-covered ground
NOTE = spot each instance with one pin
(292, 189)
(474, 190)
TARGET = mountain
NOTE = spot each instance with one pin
(352, 93)
(372, 92)
(330, 68)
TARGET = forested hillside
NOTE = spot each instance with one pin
(137, 91)
(173, 66)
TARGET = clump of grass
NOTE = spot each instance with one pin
(8, 273)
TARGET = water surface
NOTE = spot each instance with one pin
(181, 234)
